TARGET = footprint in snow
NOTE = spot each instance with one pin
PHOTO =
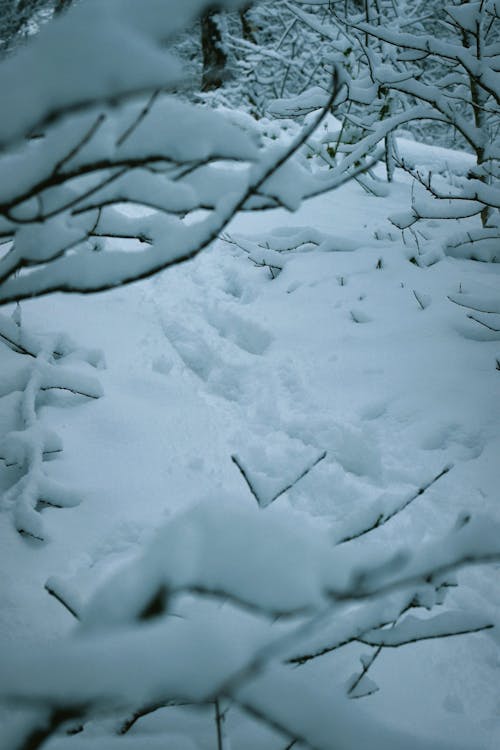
(464, 445)
(245, 334)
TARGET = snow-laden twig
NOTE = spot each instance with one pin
(328, 577)
(264, 502)
(385, 515)
(125, 176)
(37, 737)
(32, 443)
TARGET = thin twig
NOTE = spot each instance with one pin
(219, 718)
(60, 598)
(66, 388)
(83, 141)
(245, 476)
(470, 307)
(15, 346)
(383, 518)
(138, 237)
(44, 454)
(289, 486)
(482, 323)
(364, 672)
(417, 297)
(140, 117)
(429, 637)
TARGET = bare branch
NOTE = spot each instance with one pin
(482, 323)
(261, 502)
(60, 598)
(81, 143)
(382, 519)
(140, 117)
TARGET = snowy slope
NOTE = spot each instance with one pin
(353, 350)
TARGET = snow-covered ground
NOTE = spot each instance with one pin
(353, 349)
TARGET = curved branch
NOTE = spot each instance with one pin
(153, 264)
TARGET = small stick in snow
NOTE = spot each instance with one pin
(382, 518)
(482, 323)
(289, 486)
(50, 589)
(219, 719)
(245, 476)
(419, 300)
(71, 390)
(469, 307)
(363, 673)
(15, 346)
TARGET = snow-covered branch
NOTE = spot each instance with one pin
(211, 652)
(70, 192)
(32, 367)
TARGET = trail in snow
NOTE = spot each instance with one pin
(356, 352)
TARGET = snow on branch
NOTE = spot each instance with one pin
(111, 53)
(263, 500)
(487, 77)
(413, 629)
(383, 511)
(33, 366)
(243, 557)
(69, 192)
(394, 77)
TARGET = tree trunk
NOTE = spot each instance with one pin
(214, 55)
(61, 5)
(247, 30)
(474, 42)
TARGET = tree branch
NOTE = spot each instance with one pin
(382, 519)
(261, 502)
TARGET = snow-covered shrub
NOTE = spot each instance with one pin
(276, 59)
(32, 366)
(464, 93)
(399, 72)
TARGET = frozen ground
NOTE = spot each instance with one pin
(352, 349)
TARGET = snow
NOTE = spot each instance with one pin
(292, 452)
(82, 41)
(107, 52)
(217, 358)
(312, 99)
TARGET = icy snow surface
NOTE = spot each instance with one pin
(343, 346)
